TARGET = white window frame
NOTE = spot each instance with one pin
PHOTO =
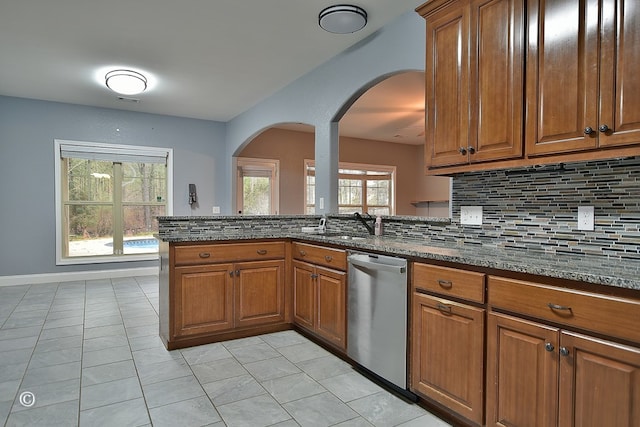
(126, 152)
(262, 167)
(356, 166)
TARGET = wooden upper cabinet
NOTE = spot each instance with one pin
(582, 89)
(446, 85)
(474, 81)
(497, 66)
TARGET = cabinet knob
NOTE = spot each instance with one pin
(237, 273)
(564, 351)
(588, 130)
(204, 254)
(462, 150)
(231, 273)
(603, 128)
(261, 251)
(471, 149)
(303, 253)
(549, 347)
(314, 276)
(328, 258)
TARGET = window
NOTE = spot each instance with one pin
(107, 200)
(361, 188)
(257, 186)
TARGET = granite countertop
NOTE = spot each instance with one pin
(585, 268)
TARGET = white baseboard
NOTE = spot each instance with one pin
(70, 276)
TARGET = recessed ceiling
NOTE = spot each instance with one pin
(203, 59)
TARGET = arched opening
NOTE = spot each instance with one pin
(382, 152)
(272, 164)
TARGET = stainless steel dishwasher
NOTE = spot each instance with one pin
(377, 316)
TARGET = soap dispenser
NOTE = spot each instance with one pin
(378, 226)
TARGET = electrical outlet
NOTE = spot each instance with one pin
(216, 210)
(586, 218)
(471, 215)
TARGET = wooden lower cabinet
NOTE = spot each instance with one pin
(599, 382)
(320, 301)
(448, 354)
(331, 317)
(203, 299)
(522, 375)
(259, 293)
(538, 375)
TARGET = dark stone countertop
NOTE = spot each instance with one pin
(584, 268)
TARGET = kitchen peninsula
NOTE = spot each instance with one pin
(230, 277)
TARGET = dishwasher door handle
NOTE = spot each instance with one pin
(357, 260)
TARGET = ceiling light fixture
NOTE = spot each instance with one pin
(342, 19)
(125, 82)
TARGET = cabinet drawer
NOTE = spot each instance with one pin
(612, 316)
(334, 258)
(449, 281)
(209, 254)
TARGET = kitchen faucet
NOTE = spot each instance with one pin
(364, 222)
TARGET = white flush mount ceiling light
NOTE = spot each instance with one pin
(342, 19)
(126, 82)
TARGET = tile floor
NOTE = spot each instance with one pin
(89, 353)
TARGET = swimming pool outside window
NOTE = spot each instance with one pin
(108, 199)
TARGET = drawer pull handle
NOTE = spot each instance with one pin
(303, 253)
(559, 307)
(564, 351)
(444, 308)
(204, 254)
(447, 284)
(328, 258)
(549, 347)
(262, 251)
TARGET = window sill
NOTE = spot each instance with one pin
(107, 259)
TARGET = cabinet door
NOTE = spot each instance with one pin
(619, 65)
(447, 86)
(562, 76)
(331, 297)
(599, 383)
(203, 299)
(497, 79)
(522, 373)
(448, 354)
(304, 298)
(259, 292)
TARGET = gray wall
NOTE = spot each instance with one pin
(322, 95)
(27, 131)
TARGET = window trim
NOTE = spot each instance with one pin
(356, 166)
(261, 167)
(145, 151)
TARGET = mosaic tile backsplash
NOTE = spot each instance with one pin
(537, 209)
(534, 209)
